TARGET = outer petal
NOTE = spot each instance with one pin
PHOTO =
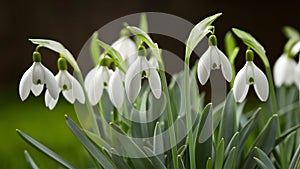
(49, 101)
(284, 71)
(133, 80)
(240, 86)
(204, 66)
(89, 77)
(76, 89)
(261, 85)
(51, 83)
(25, 84)
(225, 65)
(155, 83)
(115, 89)
(37, 89)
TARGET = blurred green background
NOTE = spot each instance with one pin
(72, 23)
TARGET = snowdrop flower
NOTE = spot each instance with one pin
(127, 48)
(35, 78)
(297, 75)
(139, 69)
(213, 59)
(116, 89)
(284, 71)
(69, 86)
(96, 80)
(250, 74)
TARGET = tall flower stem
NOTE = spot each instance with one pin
(190, 139)
(170, 114)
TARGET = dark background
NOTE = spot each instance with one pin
(73, 22)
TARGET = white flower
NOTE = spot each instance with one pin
(115, 88)
(284, 71)
(250, 74)
(95, 81)
(297, 75)
(213, 59)
(127, 48)
(35, 78)
(134, 75)
(70, 88)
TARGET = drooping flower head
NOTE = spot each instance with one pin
(250, 74)
(35, 78)
(213, 59)
(70, 87)
(142, 68)
(284, 70)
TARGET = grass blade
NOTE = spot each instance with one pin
(30, 160)
(263, 157)
(295, 159)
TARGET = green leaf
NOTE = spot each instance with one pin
(228, 121)
(231, 159)
(260, 163)
(59, 48)
(30, 160)
(94, 48)
(264, 158)
(158, 142)
(232, 143)
(111, 51)
(199, 32)
(89, 146)
(44, 149)
(203, 143)
(251, 42)
(98, 140)
(143, 22)
(265, 141)
(180, 162)
(219, 155)
(209, 163)
(285, 134)
(295, 159)
(119, 160)
(154, 158)
(230, 43)
(291, 33)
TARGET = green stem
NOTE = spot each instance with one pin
(188, 112)
(88, 106)
(170, 114)
(274, 107)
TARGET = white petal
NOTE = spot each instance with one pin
(155, 83)
(115, 89)
(261, 85)
(76, 89)
(51, 83)
(49, 101)
(133, 80)
(204, 67)
(38, 73)
(25, 84)
(89, 77)
(127, 48)
(63, 79)
(297, 74)
(240, 86)
(225, 66)
(37, 89)
(69, 96)
(153, 62)
(284, 71)
(96, 87)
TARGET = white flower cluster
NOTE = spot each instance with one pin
(99, 78)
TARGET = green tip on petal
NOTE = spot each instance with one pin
(212, 40)
(249, 55)
(36, 57)
(62, 64)
(142, 51)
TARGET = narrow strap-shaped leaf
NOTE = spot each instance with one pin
(89, 146)
(219, 155)
(260, 163)
(44, 149)
(231, 159)
(232, 143)
(228, 126)
(180, 162)
(154, 158)
(285, 134)
(110, 50)
(119, 160)
(199, 32)
(98, 140)
(263, 157)
(158, 142)
(209, 163)
(30, 160)
(295, 159)
(94, 48)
